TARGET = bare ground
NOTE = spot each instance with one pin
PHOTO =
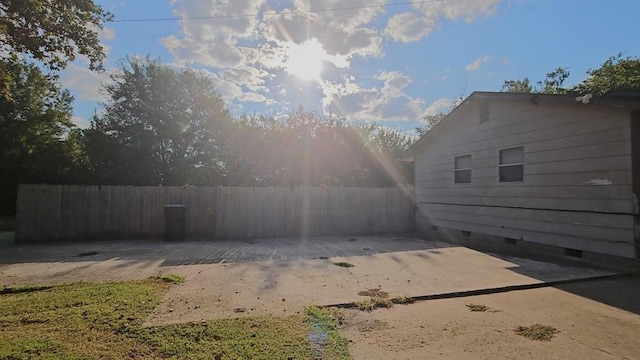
(595, 320)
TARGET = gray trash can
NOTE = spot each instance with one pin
(175, 222)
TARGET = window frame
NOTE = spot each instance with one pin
(456, 170)
(520, 164)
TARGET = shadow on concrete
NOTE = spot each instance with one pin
(215, 252)
(622, 292)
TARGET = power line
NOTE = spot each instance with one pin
(275, 13)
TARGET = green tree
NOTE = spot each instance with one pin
(617, 74)
(52, 32)
(554, 82)
(37, 138)
(160, 126)
(522, 86)
(429, 122)
(307, 148)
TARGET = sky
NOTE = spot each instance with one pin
(386, 61)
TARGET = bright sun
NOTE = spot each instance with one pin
(305, 60)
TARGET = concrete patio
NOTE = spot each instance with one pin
(280, 276)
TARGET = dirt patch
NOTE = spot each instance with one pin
(371, 325)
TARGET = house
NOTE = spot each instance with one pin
(534, 169)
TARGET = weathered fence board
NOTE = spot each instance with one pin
(58, 212)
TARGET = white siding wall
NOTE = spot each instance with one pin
(567, 149)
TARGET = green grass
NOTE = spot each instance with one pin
(326, 320)
(23, 289)
(171, 278)
(104, 321)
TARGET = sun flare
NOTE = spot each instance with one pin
(305, 60)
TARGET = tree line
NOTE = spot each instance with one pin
(166, 126)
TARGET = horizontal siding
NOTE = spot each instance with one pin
(566, 148)
(576, 218)
(622, 249)
(589, 205)
(614, 137)
(453, 145)
(617, 177)
(490, 218)
(488, 166)
(522, 190)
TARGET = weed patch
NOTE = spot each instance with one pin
(343, 264)
(375, 292)
(171, 278)
(373, 303)
(477, 308)
(403, 300)
(382, 302)
(536, 332)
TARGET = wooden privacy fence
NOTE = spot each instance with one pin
(59, 212)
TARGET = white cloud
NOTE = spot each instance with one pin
(425, 16)
(228, 86)
(385, 103)
(475, 65)
(409, 27)
(345, 40)
(107, 33)
(445, 74)
(213, 43)
(86, 84)
(246, 56)
(442, 105)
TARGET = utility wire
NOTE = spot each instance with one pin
(275, 13)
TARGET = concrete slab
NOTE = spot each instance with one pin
(283, 276)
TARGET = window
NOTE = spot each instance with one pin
(462, 169)
(512, 165)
